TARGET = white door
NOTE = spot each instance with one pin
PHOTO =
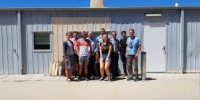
(154, 45)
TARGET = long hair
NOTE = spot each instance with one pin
(102, 44)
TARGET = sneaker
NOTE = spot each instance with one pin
(92, 77)
(108, 79)
(68, 80)
(128, 79)
(101, 79)
(79, 78)
(135, 79)
(86, 79)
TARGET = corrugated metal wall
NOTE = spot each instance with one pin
(35, 62)
(9, 43)
(124, 20)
(41, 20)
(192, 41)
(120, 20)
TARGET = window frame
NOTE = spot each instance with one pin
(50, 40)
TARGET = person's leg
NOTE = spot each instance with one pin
(86, 61)
(123, 59)
(71, 65)
(76, 65)
(116, 69)
(135, 67)
(97, 65)
(102, 64)
(129, 67)
(93, 72)
(66, 73)
(80, 67)
(107, 65)
(90, 67)
(67, 70)
(112, 65)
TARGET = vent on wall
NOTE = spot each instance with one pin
(97, 4)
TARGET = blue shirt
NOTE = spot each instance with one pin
(132, 45)
(99, 39)
(115, 44)
(93, 44)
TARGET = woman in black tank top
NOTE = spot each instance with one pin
(105, 51)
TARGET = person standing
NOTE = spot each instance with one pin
(75, 42)
(83, 52)
(105, 59)
(114, 55)
(92, 70)
(132, 52)
(122, 50)
(68, 55)
(99, 39)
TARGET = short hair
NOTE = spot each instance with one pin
(76, 32)
(68, 33)
(83, 32)
(123, 32)
(103, 29)
(132, 30)
(113, 32)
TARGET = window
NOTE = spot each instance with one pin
(41, 41)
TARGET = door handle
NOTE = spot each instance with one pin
(164, 50)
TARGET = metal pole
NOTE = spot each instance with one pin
(143, 65)
(19, 41)
(182, 22)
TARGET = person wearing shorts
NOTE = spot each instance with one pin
(83, 53)
(68, 55)
(105, 58)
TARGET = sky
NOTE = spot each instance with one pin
(86, 3)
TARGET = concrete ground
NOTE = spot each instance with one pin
(157, 87)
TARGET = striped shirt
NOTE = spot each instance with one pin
(83, 45)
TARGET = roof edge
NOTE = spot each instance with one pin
(106, 8)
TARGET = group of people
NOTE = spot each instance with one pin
(98, 57)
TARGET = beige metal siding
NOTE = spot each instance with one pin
(61, 25)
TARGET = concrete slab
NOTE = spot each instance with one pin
(2, 76)
(164, 89)
(16, 78)
(41, 77)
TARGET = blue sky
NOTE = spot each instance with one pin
(86, 3)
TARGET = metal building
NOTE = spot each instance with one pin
(31, 38)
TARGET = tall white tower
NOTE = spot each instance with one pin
(96, 3)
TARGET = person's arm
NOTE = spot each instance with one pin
(118, 46)
(139, 48)
(78, 48)
(90, 46)
(64, 49)
(100, 50)
(126, 47)
(109, 52)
